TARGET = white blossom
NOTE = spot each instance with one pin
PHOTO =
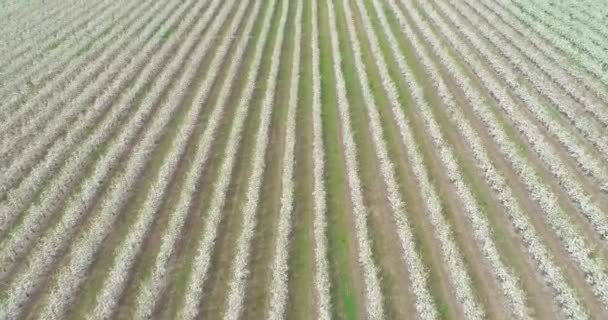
(68, 278)
(204, 247)
(280, 265)
(373, 294)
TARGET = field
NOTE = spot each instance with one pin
(303, 159)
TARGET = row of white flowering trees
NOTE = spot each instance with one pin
(199, 270)
(58, 237)
(425, 304)
(482, 232)
(279, 286)
(577, 47)
(581, 85)
(55, 80)
(589, 128)
(23, 22)
(595, 26)
(32, 56)
(373, 293)
(240, 264)
(321, 272)
(539, 253)
(154, 284)
(562, 102)
(46, 153)
(586, 14)
(584, 41)
(545, 151)
(80, 148)
(553, 214)
(130, 248)
(62, 104)
(67, 279)
(587, 161)
(71, 276)
(19, 203)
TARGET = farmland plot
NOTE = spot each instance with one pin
(338, 159)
